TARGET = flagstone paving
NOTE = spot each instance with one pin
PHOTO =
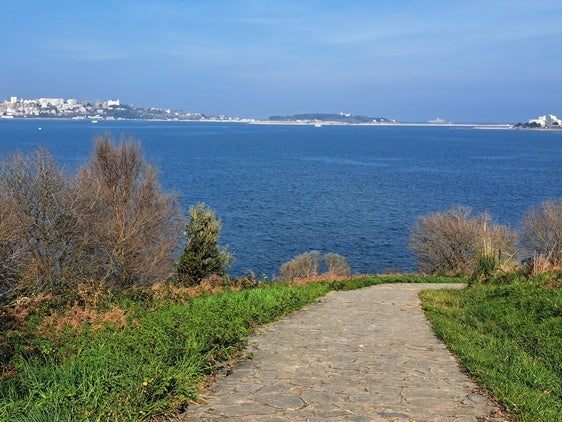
(361, 355)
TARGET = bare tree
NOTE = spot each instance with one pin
(542, 232)
(10, 246)
(452, 243)
(40, 233)
(133, 228)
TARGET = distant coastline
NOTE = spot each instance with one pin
(250, 121)
(113, 110)
(386, 124)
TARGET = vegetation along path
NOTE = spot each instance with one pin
(358, 355)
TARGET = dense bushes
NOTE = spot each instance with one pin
(454, 243)
(110, 226)
(41, 239)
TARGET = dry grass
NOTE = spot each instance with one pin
(210, 285)
(75, 318)
(16, 316)
(323, 278)
(543, 265)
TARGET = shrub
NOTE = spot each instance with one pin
(452, 243)
(40, 237)
(301, 266)
(337, 264)
(542, 234)
(133, 228)
(202, 256)
(71, 237)
(307, 265)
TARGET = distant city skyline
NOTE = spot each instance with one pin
(473, 61)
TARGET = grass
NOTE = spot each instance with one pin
(509, 337)
(148, 368)
(150, 361)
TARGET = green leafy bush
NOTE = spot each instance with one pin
(202, 256)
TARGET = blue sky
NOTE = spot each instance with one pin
(479, 61)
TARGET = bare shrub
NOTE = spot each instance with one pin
(542, 234)
(453, 243)
(132, 227)
(40, 237)
(71, 237)
(202, 256)
(10, 245)
(301, 266)
(337, 264)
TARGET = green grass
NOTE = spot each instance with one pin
(149, 368)
(509, 337)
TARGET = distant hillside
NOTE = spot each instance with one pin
(330, 117)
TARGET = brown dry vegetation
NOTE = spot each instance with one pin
(73, 238)
(212, 284)
(542, 235)
(307, 265)
(323, 278)
(75, 318)
(453, 243)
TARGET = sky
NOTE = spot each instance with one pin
(409, 60)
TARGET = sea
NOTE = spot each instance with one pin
(281, 190)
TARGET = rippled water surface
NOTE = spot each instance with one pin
(284, 190)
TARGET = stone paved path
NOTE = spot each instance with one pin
(362, 355)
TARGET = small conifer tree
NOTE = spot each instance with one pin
(202, 256)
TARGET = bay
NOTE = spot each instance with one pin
(355, 190)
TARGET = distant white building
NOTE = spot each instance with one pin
(45, 102)
(547, 121)
(110, 103)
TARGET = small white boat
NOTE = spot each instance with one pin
(94, 121)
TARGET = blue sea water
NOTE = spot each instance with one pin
(354, 190)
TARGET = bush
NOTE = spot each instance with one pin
(40, 236)
(307, 265)
(202, 256)
(72, 237)
(135, 241)
(542, 234)
(451, 243)
(301, 266)
(337, 265)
